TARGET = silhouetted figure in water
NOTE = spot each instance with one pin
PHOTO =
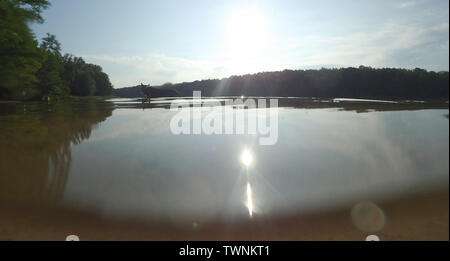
(145, 91)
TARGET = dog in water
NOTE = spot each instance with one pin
(145, 92)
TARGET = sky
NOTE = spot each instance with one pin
(155, 42)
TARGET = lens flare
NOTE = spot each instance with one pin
(368, 217)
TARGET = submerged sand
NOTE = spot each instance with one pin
(419, 217)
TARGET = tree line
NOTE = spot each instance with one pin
(33, 70)
(362, 82)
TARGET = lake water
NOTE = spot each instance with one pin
(120, 160)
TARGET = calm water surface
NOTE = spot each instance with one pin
(121, 161)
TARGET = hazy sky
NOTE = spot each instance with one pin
(184, 40)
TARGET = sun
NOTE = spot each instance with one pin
(246, 158)
(246, 33)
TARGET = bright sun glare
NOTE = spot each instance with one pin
(246, 158)
(246, 33)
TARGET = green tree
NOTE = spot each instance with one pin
(102, 84)
(83, 85)
(19, 55)
(71, 65)
(50, 74)
(50, 44)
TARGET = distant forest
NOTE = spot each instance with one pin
(362, 82)
(30, 70)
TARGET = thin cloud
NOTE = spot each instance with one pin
(377, 48)
(406, 4)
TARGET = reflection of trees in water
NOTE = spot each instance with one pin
(58, 172)
(35, 147)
